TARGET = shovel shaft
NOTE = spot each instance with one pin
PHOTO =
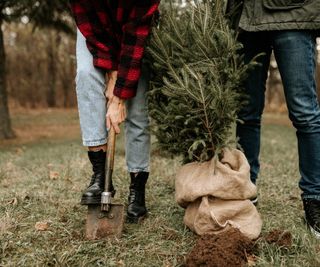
(110, 158)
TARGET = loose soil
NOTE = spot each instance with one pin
(226, 249)
(280, 238)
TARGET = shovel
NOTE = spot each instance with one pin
(107, 219)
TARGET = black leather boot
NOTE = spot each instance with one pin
(92, 194)
(136, 201)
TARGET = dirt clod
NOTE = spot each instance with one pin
(280, 238)
(226, 249)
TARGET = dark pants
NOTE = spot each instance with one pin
(295, 55)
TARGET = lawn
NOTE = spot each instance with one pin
(43, 172)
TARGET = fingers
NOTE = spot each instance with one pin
(108, 122)
(114, 124)
(116, 114)
(116, 128)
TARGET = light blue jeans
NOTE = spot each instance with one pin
(90, 87)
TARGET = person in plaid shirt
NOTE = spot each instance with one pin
(111, 88)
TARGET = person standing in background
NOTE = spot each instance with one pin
(289, 29)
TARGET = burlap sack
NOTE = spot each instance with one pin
(215, 195)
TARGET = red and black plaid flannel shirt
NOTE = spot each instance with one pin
(116, 31)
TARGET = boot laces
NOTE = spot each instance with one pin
(96, 179)
(93, 178)
(135, 196)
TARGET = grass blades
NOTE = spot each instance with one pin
(41, 180)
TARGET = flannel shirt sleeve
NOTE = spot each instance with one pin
(135, 33)
(95, 25)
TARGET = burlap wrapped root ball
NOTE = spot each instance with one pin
(216, 195)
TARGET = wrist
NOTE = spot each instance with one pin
(112, 75)
(117, 100)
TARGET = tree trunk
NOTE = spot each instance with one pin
(65, 68)
(65, 88)
(52, 69)
(5, 123)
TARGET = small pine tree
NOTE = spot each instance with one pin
(196, 87)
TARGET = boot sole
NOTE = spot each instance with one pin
(136, 220)
(91, 200)
(314, 232)
(96, 200)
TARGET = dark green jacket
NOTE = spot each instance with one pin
(268, 15)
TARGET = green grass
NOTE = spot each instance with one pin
(29, 195)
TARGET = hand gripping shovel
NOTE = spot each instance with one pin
(106, 220)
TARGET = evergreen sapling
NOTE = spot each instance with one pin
(196, 87)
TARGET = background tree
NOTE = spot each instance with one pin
(54, 14)
(9, 11)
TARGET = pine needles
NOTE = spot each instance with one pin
(196, 88)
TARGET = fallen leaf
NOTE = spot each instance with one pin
(53, 175)
(13, 201)
(293, 198)
(251, 260)
(19, 150)
(120, 263)
(42, 226)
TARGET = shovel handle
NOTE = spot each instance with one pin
(110, 158)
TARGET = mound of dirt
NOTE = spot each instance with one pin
(226, 249)
(280, 238)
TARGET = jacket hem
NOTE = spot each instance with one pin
(276, 26)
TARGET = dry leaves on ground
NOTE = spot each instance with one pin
(13, 201)
(53, 175)
(42, 226)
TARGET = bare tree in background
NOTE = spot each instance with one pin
(56, 16)
(53, 45)
(9, 11)
(51, 14)
(5, 123)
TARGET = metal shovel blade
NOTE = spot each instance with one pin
(101, 224)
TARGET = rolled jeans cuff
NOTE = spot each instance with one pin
(135, 170)
(309, 196)
(98, 142)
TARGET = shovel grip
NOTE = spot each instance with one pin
(110, 158)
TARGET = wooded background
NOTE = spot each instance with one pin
(41, 67)
(38, 63)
